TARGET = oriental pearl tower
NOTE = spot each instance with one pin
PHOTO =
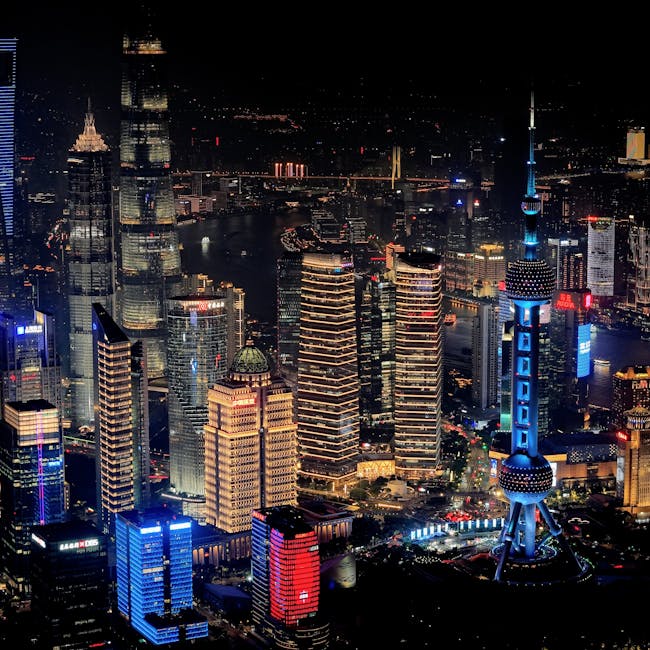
(526, 476)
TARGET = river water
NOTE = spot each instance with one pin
(242, 249)
(619, 347)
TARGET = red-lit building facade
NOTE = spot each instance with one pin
(286, 579)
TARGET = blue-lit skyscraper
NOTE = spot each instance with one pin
(526, 476)
(31, 481)
(7, 129)
(154, 575)
(7, 157)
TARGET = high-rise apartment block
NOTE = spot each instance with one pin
(486, 339)
(7, 158)
(600, 257)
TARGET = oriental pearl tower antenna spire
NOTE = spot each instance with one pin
(526, 476)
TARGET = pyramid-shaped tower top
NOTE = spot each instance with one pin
(89, 140)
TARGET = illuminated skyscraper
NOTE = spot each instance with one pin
(196, 359)
(633, 463)
(69, 580)
(376, 332)
(90, 260)
(235, 302)
(140, 423)
(569, 261)
(569, 359)
(289, 273)
(630, 388)
(286, 580)
(489, 270)
(526, 476)
(114, 445)
(148, 254)
(328, 376)
(639, 241)
(250, 443)
(418, 364)
(486, 339)
(154, 576)
(600, 256)
(29, 365)
(31, 481)
(7, 155)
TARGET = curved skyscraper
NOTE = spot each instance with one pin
(90, 261)
(196, 359)
(149, 258)
(526, 476)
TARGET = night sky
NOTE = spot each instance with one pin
(278, 52)
(281, 57)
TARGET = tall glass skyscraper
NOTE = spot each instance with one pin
(149, 258)
(418, 364)
(31, 481)
(328, 376)
(196, 359)
(90, 261)
(601, 233)
(7, 156)
(154, 575)
(289, 272)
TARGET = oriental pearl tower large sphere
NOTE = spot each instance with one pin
(526, 479)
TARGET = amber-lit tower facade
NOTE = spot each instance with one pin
(418, 364)
(328, 375)
(114, 449)
(250, 443)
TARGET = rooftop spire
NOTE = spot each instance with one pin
(530, 189)
(531, 205)
(89, 140)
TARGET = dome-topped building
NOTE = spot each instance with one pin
(250, 443)
(250, 365)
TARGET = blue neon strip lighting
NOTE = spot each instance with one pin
(7, 136)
